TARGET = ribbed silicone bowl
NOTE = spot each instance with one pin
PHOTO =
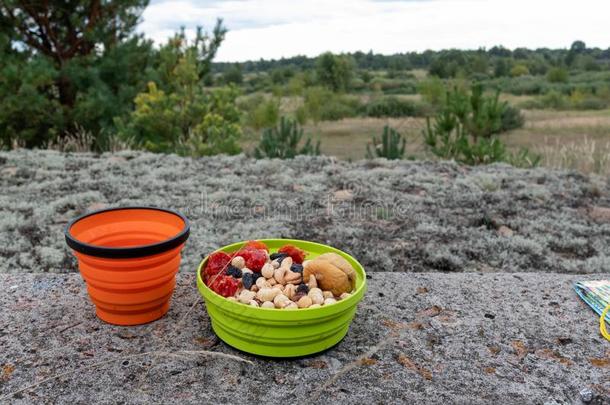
(129, 257)
(282, 333)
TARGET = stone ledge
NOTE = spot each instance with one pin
(438, 338)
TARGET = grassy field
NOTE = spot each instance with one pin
(565, 139)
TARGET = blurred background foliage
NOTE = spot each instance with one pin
(77, 73)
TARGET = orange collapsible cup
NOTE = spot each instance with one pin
(129, 258)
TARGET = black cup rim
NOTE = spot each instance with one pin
(131, 251)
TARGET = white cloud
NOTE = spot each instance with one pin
(276, 28)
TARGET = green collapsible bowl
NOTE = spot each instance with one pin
(282, 333)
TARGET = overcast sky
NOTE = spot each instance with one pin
(276, 28)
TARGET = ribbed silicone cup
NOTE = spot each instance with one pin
(134, 282)
(282, 333)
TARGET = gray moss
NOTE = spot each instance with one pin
(401, 215)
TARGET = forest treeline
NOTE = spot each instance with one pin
(496, 61)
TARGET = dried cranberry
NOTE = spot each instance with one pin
(217, 263)
(297, 255)
(255, 258)
(256, 244)
(226, 286)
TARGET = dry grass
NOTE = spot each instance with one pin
(586, 155)
(347, 138)
(419, 73)
(566, 139)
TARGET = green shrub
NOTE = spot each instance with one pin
(519, 70)
(522, 85)
(394, 86)
(403, 87)
(260, 111)
(321, 104)
(391, 107)
(511, 118)
(339, 107)
(334, 71)
(233, 75)
(554, 99)
(283, 142)
(391, 145)
(592, 103)
(213, 136)
(366, 76)
(466, 128)
(557, 75)
(432, 90)
(187, 114)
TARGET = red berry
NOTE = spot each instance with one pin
(217, 262)
(255, 258)
(297, 255)
(256, 244)
(226, 286)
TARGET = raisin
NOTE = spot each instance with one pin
(278, 256)
(234, 271)
(248, 280)
(297, 268)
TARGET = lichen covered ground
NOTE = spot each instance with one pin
(468, 300)
(394, 216)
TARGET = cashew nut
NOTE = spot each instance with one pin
(254, 288)
(327, 294)
(293, 277)
(267, 270)
(314, 290)
(267, 294)
(267, 304)
(286, 263)
(315, 306)
(329, 301)
(246, 270)
(290, 290)
(238, 262)
(316, 298)
(312, 283)
(232, 298)
(345, 295)
(278, 275)
(262, 283)
(281, 301)
(246, 296)
(253, 303)
(291, 305)
(305, 302)
(275, 264)
(271, 281)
